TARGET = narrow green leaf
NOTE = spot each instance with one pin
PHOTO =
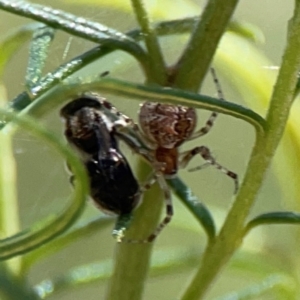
(200, 212)
(38, 53)
(77, 26)
(247, 30)
(12, 42)
(268, 286)
(137, 91)
(156, 60)
(284, 217)
(48, 229)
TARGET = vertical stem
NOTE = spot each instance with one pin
(157, 64)
(132, 260)
(9, 212)
(231, 233)
(195, 60)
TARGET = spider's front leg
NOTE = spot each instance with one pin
(210, 122)
(169, 208)
(207, 156)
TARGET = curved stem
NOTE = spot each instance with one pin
(194, 205)
(81, 61)
(63, 93)
(9, 44)
(231, 234)
(88, 30)
(45, 231)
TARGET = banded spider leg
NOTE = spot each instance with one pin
(210, 122)
(210, 160)
(203, 150)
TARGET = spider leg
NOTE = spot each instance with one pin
(210, 122)
(132, 137)
(155, 177)
(207, 156)
(169, 209)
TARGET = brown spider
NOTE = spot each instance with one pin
(164, 128)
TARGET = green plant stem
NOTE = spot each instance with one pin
(51, 79)
(57, 96)
(156, 61)
(194, 205)
(230, 237)
(132, 261)
(79, 62)
(194, 62)
(38, 53)
(86, 29)
(9, 209)
(50, 228)
(12, 42)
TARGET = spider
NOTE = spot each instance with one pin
(163, 129)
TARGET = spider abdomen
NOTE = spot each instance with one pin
(167, 125)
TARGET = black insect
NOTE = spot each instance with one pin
(113, 186)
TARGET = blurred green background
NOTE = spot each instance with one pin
(43, 184)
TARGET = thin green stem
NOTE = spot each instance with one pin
(81, 61)
(156, 61)
(231, 234)
(194, 205)
(63, 93)
(86, 29)
(194, 62)
(9, 210)
(45, 231)
(38, 54)
(11, 43)
(132, 261)
(276, 217)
